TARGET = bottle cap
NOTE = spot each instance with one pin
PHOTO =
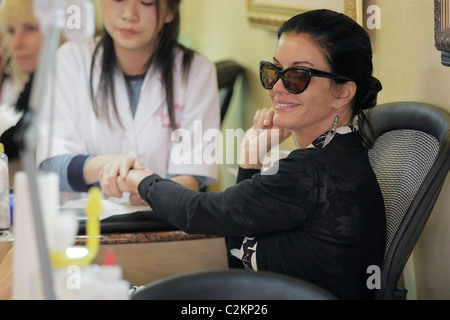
(2, 148)
(110, 270)
(110, 258)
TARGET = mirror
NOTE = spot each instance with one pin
(270, 14)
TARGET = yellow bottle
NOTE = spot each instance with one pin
(93, 210)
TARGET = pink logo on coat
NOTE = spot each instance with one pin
(164, 116)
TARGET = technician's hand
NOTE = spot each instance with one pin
(112, 171)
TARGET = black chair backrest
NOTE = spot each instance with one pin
(231, 285)
(227, 73)
(411, 160)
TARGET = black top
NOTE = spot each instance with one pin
(320, 217)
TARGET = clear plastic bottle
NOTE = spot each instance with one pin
(5, 209)
(111, 286)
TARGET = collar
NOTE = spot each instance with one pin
(319, 142)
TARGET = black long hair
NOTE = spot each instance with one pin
(163, 59)
(349, 52)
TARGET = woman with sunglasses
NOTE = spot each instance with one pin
(118, 100)
(319, 216)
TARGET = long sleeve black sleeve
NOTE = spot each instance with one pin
(250, 208)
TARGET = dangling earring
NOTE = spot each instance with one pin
(332, 131)
(336, 120)
(295, 140)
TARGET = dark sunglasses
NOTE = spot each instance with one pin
(295, 79)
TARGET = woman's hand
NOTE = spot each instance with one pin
(260, 138)
(113, 168)
(131, 183)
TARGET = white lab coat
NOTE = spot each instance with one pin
(10, 91)
(76, 130)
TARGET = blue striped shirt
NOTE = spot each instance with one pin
(134, 85)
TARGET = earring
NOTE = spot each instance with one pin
(336, 120)
(332, 131)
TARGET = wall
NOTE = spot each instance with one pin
(405, 61)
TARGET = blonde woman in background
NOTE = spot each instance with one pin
(22, 38)
(9, 86)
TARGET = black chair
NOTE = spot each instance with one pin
(231, 285)
(227, 73)
(411, 160)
